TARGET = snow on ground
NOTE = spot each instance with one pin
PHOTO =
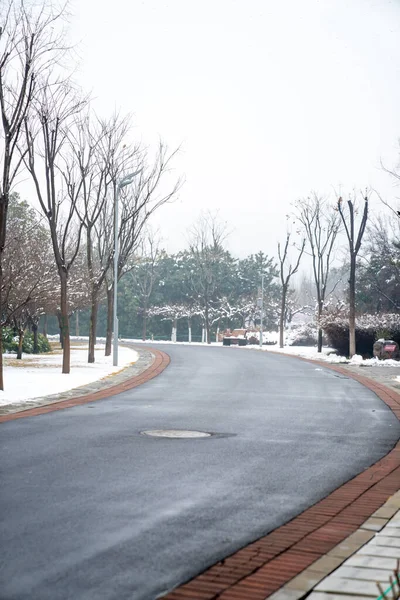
(40, 374)
(327, 355)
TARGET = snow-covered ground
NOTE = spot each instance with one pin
(327, 355)
(40, 375)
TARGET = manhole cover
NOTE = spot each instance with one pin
(176, 433)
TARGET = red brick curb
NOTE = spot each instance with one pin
(261, 568)
(161, 361)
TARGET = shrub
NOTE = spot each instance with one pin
(10, 342)
(303, 334)
(369, 328)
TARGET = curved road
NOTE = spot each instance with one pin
(93, 510)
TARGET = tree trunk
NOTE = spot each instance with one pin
(282, 318)
(352, 307)
(60, 328)
(4, 199)
(189, 331)
(66, 342)
(44, 332)
(144, 329)
(77, 323)
(21, 333)
(208, 338)
(35, 338)
(203, 334)
(93, 326)
(174, 330)
(217, 334)
(1, 355)
(319, 340)
(110, 308)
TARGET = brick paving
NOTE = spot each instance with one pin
(314, 543)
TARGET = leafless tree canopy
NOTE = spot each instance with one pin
(31, 43)
(321, 224)
(286, 271)
(354, 239)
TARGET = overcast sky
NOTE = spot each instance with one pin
(270, 100)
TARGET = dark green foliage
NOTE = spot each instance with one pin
(10, 342)
(178, 281)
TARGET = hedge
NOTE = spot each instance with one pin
(369, 328)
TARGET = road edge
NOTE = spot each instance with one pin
(161, 362)
(262, 567)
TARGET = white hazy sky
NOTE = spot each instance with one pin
(270, 100)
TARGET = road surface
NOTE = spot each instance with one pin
(91, 509)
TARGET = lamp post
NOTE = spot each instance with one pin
(262, 308)
(124, 182)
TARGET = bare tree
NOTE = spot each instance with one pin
(286, 273)
(321, 224)
(55, 109)
(139, 201)
(144, 274)
(395, 174)
(28, 269)
(94, 146)
(354, 240)
(207, 254)
(30, 42)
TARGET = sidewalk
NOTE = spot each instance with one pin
(355, 567)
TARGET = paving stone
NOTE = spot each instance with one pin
(374, 524)
(351, 544)
(367, 574)
(385, 512)
(374, 550)
(393, 525)
(394, 500)
(373, 562)
(391, 532)
(286, 594)
(326, 596)
(326, 564)
(338, 585)
(305, 581)
(395, 520)
(384, 540)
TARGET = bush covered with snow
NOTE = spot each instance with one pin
(302, 334)
(369, 328)
(10, 342)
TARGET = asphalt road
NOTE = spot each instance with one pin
(93, 510)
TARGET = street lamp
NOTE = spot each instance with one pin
(261, 305)
(123, 183)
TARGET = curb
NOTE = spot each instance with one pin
(161, 361)
(264, 566)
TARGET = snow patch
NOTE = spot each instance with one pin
(40, 374)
